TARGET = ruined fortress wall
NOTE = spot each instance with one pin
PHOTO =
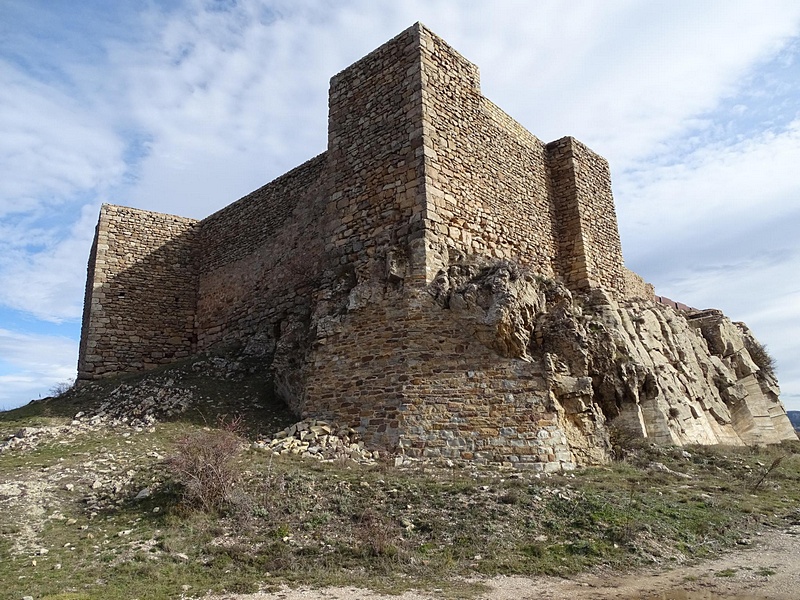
(258, 258)
(488, 190)
(374, 225)
(140, 292)
(417, 161)
(392, 361)
(334, 274)
(636, 287)
(462, 400)
(89, 369)
(496, 190)
(407, 373)
(359, 366)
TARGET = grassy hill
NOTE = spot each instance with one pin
(164, 486)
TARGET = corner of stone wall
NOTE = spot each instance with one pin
(140, 295)
(95, 271)
(486, 181)
(636, 287)
(376, 152)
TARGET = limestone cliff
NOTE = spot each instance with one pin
(642, 368)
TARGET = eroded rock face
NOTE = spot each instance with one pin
(494, 364)
(498, 303)
(641, 367)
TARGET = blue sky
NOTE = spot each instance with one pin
(184, 106)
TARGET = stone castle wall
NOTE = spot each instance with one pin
(488, 187)
(140, 295)
(374, 239)
(375, 168)
(336, 272)
(589, 248)
(391, 361)
(259, 258)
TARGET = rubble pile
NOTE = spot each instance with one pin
(140, 405)
(320, 440)
(133, 407)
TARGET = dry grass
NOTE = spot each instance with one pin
(205, 464)
(223, 516)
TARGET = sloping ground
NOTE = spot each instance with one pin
(769, 569)
(92, 504)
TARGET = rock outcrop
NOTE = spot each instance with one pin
(635, 367)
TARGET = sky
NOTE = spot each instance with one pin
(183, 106)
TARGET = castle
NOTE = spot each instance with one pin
(339, 273)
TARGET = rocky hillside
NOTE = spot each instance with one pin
(192, 479)
(631, 368)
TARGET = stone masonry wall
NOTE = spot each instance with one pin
(260, 258)
(376, 180)
(636, 287)
(462, 400)
(331, 271)
(374, 235)
(388, 359)
(488, 190)
(589, 248)
(411, 377)
(140, 293)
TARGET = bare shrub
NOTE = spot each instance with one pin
(377, 535)
(768, 471)
(205, 464)
(62, 387)
(623, 441)
(760, 355)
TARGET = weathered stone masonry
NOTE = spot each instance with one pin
(397, 281)
(140, 295)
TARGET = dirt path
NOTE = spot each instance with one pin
(769, 569)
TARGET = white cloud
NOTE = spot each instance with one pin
(190, 106)
(51, 147)
(49, 284)
(620, 76)
(31, 364)
(716, 192)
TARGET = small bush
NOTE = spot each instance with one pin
(760, 355)
(62, 387)
(205, 464)
(623, 441)
(510, 497)
(377, 536)
(768, 471)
